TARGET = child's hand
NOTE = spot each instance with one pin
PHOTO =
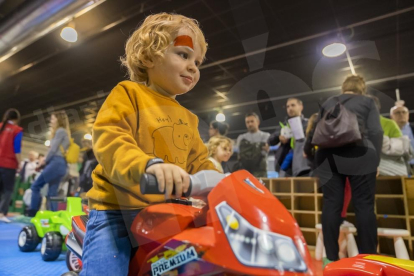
(169, 175)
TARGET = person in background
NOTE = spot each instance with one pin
(40, 165)
(394, 157)
(27, 196)
(55, 163)
(27, 174)
(220, 149)
(28, 167)
(401, 115)
(41, 158)
(10, 148)
(290, 148)
(253, 148)
(309, 152)
(218, 129)
(356, 161)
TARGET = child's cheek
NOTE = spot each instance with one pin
(197, 77)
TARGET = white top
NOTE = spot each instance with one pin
(30, 168)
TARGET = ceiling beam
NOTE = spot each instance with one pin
(306, 38)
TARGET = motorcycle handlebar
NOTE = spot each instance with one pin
(149, 186)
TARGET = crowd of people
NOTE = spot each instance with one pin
(46, 175)
(345, 168)
(295, 153)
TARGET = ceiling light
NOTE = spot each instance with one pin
(334, 50)
(69, 34)
(87, 137)
(220, 117)
(47, 143)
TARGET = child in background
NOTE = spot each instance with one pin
(141, 128)
(220, 149)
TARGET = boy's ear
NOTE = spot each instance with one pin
(147, 62)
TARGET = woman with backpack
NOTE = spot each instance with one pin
(55, 162)
(10, 147)
(355, 115)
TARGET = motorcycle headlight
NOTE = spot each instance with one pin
(256, 247)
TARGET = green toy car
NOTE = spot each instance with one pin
(51, 228)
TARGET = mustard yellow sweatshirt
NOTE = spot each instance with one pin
(134, 125)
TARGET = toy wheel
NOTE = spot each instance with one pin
(72, 262)
(28, 238)
(51, 246)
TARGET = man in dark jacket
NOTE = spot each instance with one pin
(299, 166)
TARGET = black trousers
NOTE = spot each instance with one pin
(7, 177)
(359, 165)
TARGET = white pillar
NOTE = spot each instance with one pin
(400, 249)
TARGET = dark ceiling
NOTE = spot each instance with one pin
(287, 35)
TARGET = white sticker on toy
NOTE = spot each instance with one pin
(44, 223)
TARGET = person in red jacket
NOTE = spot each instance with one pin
(10, 147)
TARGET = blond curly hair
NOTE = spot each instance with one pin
(215, 142)
(152, 38)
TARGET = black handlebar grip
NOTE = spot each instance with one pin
(149, 186)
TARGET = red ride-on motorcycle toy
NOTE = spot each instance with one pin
(370, 265)
(242, 229)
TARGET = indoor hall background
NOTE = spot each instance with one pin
(260, 53)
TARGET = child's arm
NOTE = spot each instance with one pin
(113, 140)
(198, 158)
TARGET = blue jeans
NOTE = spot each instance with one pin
(108, 245)
(53, 173)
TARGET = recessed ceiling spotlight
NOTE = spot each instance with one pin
(334, 50)
(69, 34)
